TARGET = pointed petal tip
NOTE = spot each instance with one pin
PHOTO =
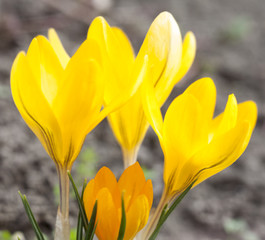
(51, 31)
(191, 37)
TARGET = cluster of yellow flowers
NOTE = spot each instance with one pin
(63, 98)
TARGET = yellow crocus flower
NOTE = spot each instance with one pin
(196, 145)
(60, 98)
(137, 195)
(163, 59)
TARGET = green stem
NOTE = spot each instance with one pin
(62, 228)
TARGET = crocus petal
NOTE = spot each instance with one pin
(181, 132)
(34, 107)
(188, 55)
(58, 47)
(115, 48)
(163, 89)
(247, 111)
(45, 66)
(222, 151)
(164, 53)
(136, 192)
(108, 216)
(204, 91)
(133, 188)
(226, 120)
(129, 127)
(137, 217)
(89, 198)
(152, 108)
(73, 109)
(148, 191)
(105, 178)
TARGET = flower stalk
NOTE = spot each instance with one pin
(154, 219)
(62, 226)
(129, 156)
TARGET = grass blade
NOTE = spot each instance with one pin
(31, 217)
(167, 212)
(91, 225)
(80, 222)
(80, 202)
(123, 221)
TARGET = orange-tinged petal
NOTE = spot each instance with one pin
(58, 47)
(137, 217)
(105, 178)
(108, 216)
(148, 192)
(89, 198)
(131, 189)
(34, 107)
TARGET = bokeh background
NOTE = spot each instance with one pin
(231, 50)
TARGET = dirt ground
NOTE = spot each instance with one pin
(231, 50)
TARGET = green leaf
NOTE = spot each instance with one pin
(80, 222)
(123, 221)
(80, 202)
(31, 217)
(91, 226)
(79, 229)
(167, 211)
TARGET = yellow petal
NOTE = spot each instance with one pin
(227, 120)
(182, 133)
(79, 100)
(128, 123)
(127, 53)
(204, 91)
(118, 57)
(45, 66)
(58, 47)
(34, 107)
(152, 108)
(188, 55)
(222, 151)
(123, 82)
(247, 111)
(163, 45)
